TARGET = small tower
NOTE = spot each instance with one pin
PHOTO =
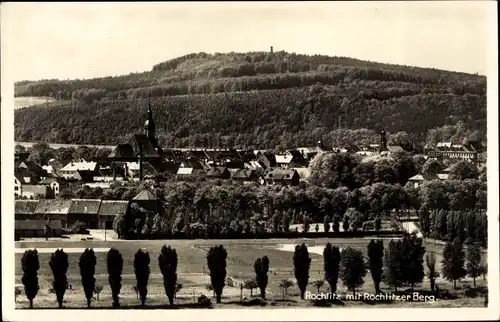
(383, 141)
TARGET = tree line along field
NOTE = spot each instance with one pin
(192, 272)
(251, 100)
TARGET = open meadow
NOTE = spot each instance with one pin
(193, 273)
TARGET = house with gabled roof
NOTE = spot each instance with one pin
(308, 153)
(291, 159)
(32, 168)
(108, 210)
(84, 210)
(419, 179)
(245, 175)
(218, 173)
(287, 177)
(54, 183)
(266, 159)
(27, 185)
(54, 209)
(26, 177)
(53, 167)
(192, 167)
(81, 170)
(146, 200)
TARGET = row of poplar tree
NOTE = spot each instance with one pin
(401, 264)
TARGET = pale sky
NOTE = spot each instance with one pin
(84, 40)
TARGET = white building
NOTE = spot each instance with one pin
(71, 169)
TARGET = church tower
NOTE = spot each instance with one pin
(149, 125)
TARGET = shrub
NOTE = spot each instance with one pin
(98, 290)
(79, 227)
(285, 284)
(318, 284)
(229, 282)
(250, 284)
(204, 301)
(17, 292)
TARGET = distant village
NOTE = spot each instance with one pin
(37, 187)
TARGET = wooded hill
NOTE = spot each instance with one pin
(258, 100)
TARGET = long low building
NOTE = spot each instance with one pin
(35, 218)
(38, 218)
(31, 220)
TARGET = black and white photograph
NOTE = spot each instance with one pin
(249, 161)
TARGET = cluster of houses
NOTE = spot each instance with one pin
(39, 213)
(32, 181)
(141, 157)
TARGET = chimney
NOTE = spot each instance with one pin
(271, 49)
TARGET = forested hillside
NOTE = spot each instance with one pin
(259, 100)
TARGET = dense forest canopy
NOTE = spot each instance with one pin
(259, 100)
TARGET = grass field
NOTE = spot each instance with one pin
(192, 273)
(20, 102)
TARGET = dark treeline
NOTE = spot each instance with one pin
(401, 264)
(250, 107)
(202, 66)
(260, 119)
